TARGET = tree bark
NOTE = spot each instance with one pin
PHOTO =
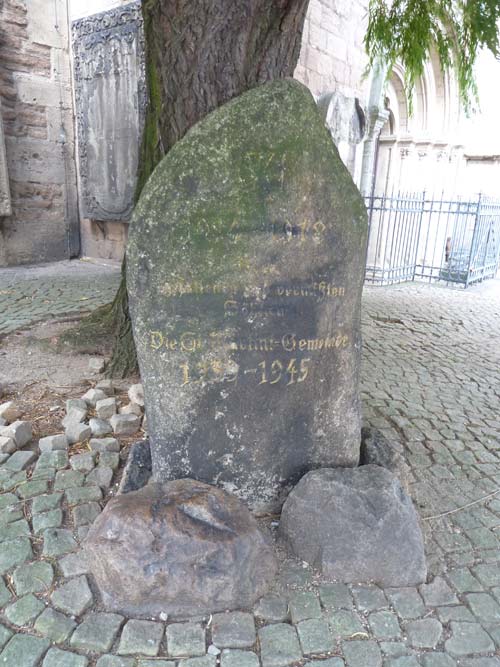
(199, 55)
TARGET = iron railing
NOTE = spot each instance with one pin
(413, 236)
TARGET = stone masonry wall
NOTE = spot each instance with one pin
(37, 113)
(332, 57)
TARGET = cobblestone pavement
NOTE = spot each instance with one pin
(37, 293)
(431, 377)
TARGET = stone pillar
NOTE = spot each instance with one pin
(377, 118)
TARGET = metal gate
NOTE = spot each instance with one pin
(416, 237)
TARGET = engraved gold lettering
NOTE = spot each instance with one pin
(156, 339)
(289, 342)
(189, 342)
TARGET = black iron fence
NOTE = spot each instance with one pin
(417, 237)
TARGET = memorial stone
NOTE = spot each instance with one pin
(245, 269)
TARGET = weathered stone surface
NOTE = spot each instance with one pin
(19, 431)
(182, 548)
(377, 450)
(53, 443)
(77, 432)
(100, 427)
(136, 394)
(138, 469)
(106, 408)
(355, 525)
(7, 445)
(125, 424)
(92, 396)
(245, 267)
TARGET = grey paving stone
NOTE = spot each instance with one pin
(24, 610)
(315, 636)
(456, 613)
(294, 574)
(14, 553)
(203, 661)
(187, 639)
(402, 661)
(58, 658)
(68, 479)
(142, 637)
(82, 462)
(20, 460)
(57, 459)
(47, 474)
(464, 581)
(16, 529)
(335, 596)
(232, 630)
(8, 499)
(329, 662)
(83, 494)
(468, 638)
(74, 564)
(157, 663)
(483, 537)
(384, 625)
(271, 609)
(488, 574)
(366, 653)
(109, 460)
(85, 514)
(116, 661)
(46, 503)
(23, 650)
(51, 519)
(55, 626)
(5, 594)
(12, 513)
(369, 598)
(480, 662)
(31, 489)
(11, 480)
(97, 632)
(484, 607)
(104, 445)
(435, 659)
(58, 541)
(100, 476)
(344, 623)
(34, 577)
(5, 635)
(407, 602)
(238, 658)
(279, 645)
(304, 605)
(424, 633)
(437, 593)
(73, 597)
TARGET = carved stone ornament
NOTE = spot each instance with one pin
(5, 203)
(110, 85)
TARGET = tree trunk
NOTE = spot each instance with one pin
(199, 55)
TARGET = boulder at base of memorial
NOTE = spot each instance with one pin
(355, 526)
(182, 548)
(245, 266)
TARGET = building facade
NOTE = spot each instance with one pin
(72, 92)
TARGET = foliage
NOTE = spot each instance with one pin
(407, 31)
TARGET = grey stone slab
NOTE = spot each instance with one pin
(29, 490)
(335, 596)
(74, 564)
(304, 605)
(97, 632)
(188, 639)
(238, 658)
(86, 513)
(437, 593)
(424, 633)
(329, 662)
(116, 661)
(402, 661)
(73, 597)
(345, 624)
(24, 610)
(366, 653)
(435, 659)
(142, 637)
(100, 476)
(51, 519)
(14, 553)
(57, 459)
(68, 479)
(83, 494)
(82, 462)
(16, 529)
(468, 638)
(5, 594)
(104, 445)
(109, 460)
(34, 577)
(484, 607)
(202, 661)
(8, 499)
(58, 541)
(55, 626)
(20, 460)
(480, 662)
(455, 613)
(157, 663)
(58, 658)
(46, 503)
(233, 630)
(395, 649)
(407, 602)
(23, 650)
(464, 582)
(279, 645)
(315, 636)
(272, 609)
(5, 635)
(488, 574)
(369, 598)
(384, 625)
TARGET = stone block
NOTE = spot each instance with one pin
(106, 408)
(125, 424)
(19, 431)
(7, 445)
(233, 630)
(77, 432)
(142, 637)
(53, 443)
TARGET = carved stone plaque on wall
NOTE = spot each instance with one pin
(110, 86)
(5, 205)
